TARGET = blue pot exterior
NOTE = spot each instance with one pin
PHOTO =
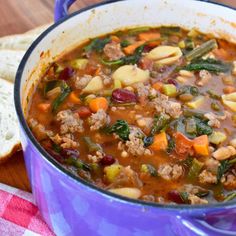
(73, 208)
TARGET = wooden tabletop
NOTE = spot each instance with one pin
(17, 17)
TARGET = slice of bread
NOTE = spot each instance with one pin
(21, 41)
(9, 62)
(9, 129)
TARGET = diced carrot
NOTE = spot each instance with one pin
(160, 142)
(84, 112)
(98, 70)
(73, 98)
(201, 145)
(157, 86)
(221, 53)
(131, 48)
(114, 38)
(98, 103)
(151, 36)
(44, 107)
(148, 36)
(229, 89)
(183, 145)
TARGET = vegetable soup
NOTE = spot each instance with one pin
(147, 113)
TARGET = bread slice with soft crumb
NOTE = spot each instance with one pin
(9, 62)
(9, 129)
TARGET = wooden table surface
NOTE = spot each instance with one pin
(18, 16)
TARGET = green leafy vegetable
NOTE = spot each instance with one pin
(56, 148)
(189, 44)
(97, 44)
(230, 197)
(121, 128)
(201, 50)
(171, 146)
(203, 127)
(50, 85)
(150, 169)
(184, 196)
(92, 147)
(224, 167)
(65, 91)
(160, 123)
(132, 59)
(209, 64)
(125, 43)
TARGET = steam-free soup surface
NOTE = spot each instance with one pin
(147, 113)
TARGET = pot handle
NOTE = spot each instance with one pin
(201, 227)
(61, 8)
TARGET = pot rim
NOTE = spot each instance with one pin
(55, 164)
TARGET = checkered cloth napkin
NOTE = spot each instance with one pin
(19, 215)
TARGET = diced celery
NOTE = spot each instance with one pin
(169, 90)
(181, 44)
(92, 147)
(112, 171)
(190, 126)
(196, 103)
(117, 84)
(79, 64)
(217, 137)
(195, 169)
(201, 50)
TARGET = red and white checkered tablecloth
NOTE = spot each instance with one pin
(19, 215)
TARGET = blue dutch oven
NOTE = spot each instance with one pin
(71, 206)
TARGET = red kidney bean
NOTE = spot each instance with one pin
(123, 96)
(66, 73)
(172, 81)
(107, 160)
(84, 112)
(174, 196)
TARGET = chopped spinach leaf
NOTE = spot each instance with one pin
(171, 146)
(65, 91)
(97, 44)
(121, 128)
(224, 167)
(160, 123)
(184, 196)
(209, 64)
(125, 43)
(203, 127)
(150, 169)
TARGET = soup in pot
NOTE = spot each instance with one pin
(147, 113)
